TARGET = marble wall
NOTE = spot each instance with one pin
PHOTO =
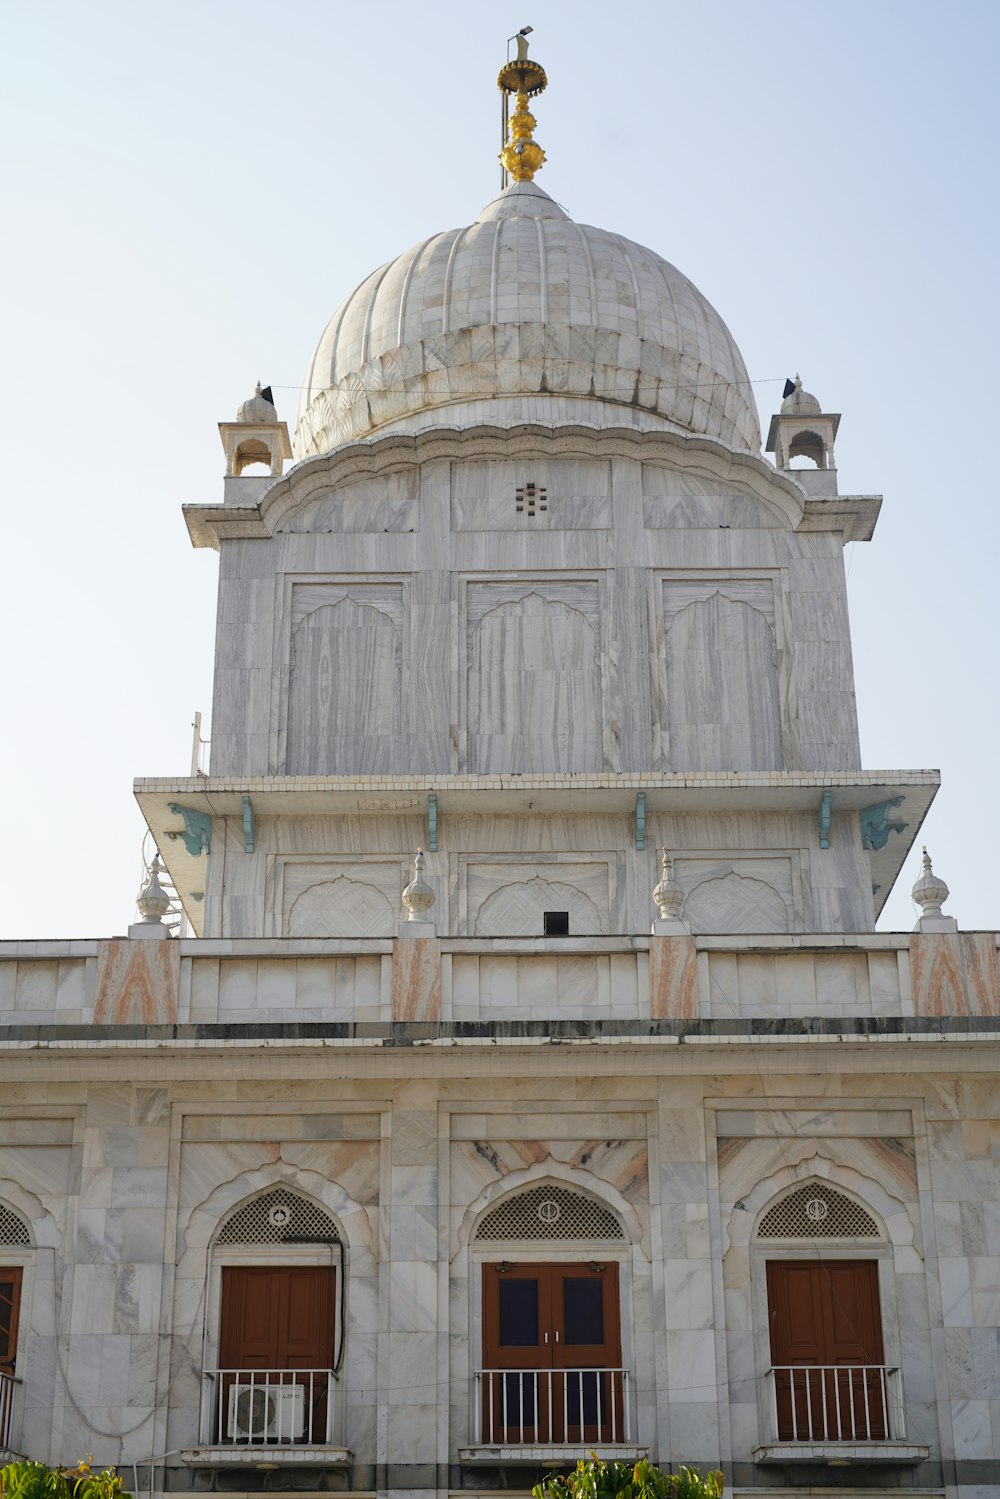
(124, 1182)
(753, 871)
(643, 615)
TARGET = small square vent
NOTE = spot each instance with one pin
(555, 923)
(530, 499)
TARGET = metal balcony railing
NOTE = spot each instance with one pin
(836, 1403)
(9, 1412)
(521, 1407)
(268, 1407)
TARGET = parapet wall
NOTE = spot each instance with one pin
(471, 980)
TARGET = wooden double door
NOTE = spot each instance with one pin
(278, 1321)
(551, 1354)
(826, 1348)
(10, 1310)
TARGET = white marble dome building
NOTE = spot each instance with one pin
(606, 1121)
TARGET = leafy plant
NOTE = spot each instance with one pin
(28, 1480)
(593, 1478)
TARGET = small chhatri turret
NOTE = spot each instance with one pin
(802, 429)
(256, 436)
(521, 156)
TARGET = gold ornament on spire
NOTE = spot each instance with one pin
(521, 156)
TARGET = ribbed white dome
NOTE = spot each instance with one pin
(525, 302)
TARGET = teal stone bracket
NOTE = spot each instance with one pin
(432, 823)
(640, 820)
(876, 824)
(197, 834)
(824, 819)
(249, 826)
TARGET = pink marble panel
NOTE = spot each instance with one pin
(982, 972)
(137, 982)
(673, 978)
(955, 973)
(416, 979)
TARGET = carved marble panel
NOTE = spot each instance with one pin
(577, 495)
(748, 895)
(534, 678)
(673, 500)
(723, 699)
(330, 899)
(509, 900)
(386, 504)
(344, 712)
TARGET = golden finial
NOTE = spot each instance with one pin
(521, 156)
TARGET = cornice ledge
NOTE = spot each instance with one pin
(315, 477)
(852, 515)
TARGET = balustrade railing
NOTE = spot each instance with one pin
(268, 1407)
(9, 1396)
(520, 1407)
(835, 1403)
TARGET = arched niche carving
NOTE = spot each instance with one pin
(345, 672)
(341, 908)
(553, 1173)
(198, 1230)
(722, 687)
(516, 910)
(735, 903)
(534, 689)
(808, 445)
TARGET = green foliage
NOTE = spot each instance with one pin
(26, 1480)
(595, 1479)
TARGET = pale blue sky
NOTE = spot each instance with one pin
(190, 190)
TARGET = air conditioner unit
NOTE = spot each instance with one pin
(266, 1412)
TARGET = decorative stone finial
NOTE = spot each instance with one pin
(418, 897)
(668, 895)
(930, 892)
(153, 902)
(522, 156)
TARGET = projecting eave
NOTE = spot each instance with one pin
(895, 803)
(315, 478)
(852, 515)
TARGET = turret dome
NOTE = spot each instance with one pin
(800, 402)
(258, 409)
(526, 315)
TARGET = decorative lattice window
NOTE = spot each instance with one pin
(530, 499)
(277, 1217)
(13, 1229)
(549, 1213)
(817, 1212)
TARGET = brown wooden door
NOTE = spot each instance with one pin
(825, 1315)
(10, 1307)
(544, 1320)
(279, 1320)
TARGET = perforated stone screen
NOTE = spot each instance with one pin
(549, 1213)
(276, 1217)
(817, 1212)
(13, 1230)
